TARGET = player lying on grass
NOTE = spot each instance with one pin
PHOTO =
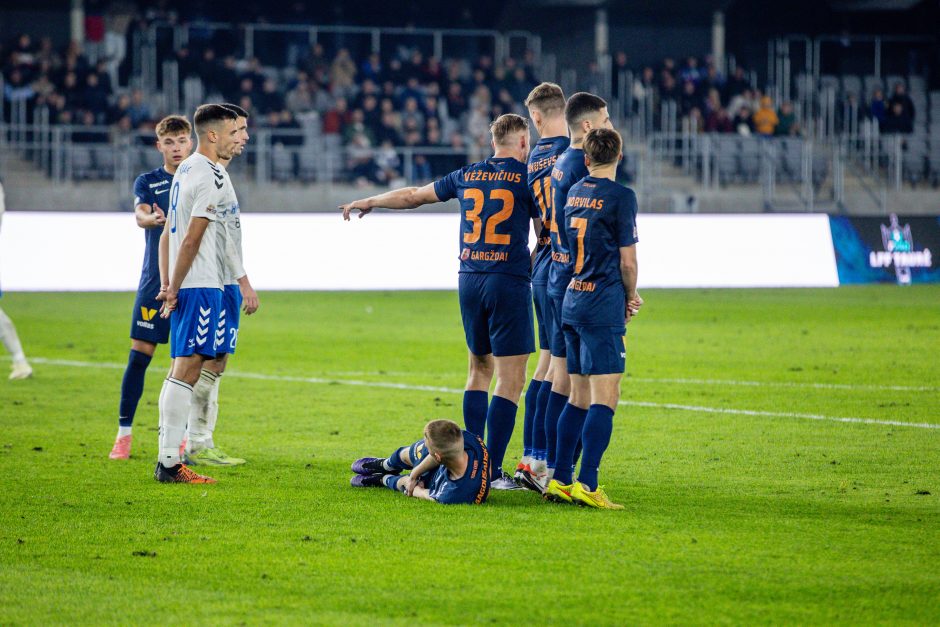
(151, 204)
(600, 223)
(449, 466)
(494, 287)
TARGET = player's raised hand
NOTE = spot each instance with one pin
(159, 218)
(361, 205)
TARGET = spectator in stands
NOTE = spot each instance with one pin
(743, 121)
(737, 84)
(95, 97)
(691, 72)
(765, 118)
(335, 120)
(88, 133)
(897, 120)
(689, 99)
(744, 99)
(357, 127)
(342, 73)
(878, 107)
(907, 105)
(718, 121)
(788, 124)
(388, 163)
(371, 68)
(298, 99)
(287, 127)
(270, 98)
(139, 110)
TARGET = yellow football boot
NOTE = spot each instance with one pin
(598, 498)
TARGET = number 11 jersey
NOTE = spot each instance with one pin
(496, 207)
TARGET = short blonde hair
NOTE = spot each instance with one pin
(173, 125)
(444, 437)
(547, 99)
(507, 125)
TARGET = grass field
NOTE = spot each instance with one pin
(747, 499)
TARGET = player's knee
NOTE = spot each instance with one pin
(141, 346)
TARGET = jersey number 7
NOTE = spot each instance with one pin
(581, 224)
(473, 216)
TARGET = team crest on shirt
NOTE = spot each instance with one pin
(465, 254)
(210, 209)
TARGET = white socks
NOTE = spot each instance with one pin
(124, 431)
(204, 411)
(10, 339)
(175, 401)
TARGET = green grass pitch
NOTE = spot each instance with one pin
(747, 501)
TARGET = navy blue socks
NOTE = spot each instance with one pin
(570, 424)
(531, 400)
(598, 426)
(556, 403)
(475, 407)
(539, 449)
(132, 386)
(500, 420)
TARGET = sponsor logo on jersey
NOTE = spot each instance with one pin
(147, 314)
(152, 185)
(465, 254)
(211, 209)
(899, 251)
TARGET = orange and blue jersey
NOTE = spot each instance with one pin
(470, 489)
(568, 170)
(599, 219)
(542, 159)
(496, 208)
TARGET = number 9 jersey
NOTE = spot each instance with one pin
(496, 207)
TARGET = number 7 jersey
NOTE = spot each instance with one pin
(496, 207)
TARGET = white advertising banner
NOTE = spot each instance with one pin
(385, 251)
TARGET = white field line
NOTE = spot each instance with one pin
(445, 390)
(872, 387)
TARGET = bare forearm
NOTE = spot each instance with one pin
(403, 198)
(628, 274)
(422, 493)
(184, 261)
(163, 258)
(427, 464)
(144, 219)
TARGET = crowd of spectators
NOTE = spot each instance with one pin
(375, 104)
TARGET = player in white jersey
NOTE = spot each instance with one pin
(8, 336)
(195, 250)
(237, 293)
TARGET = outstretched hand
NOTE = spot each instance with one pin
(361, 205)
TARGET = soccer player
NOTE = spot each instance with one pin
(546, 106)
(151, 202)
(448, 466)
(200, 446)
(9, 338)
(495, 291)
(193, 298)
(583, 112)
(600, 222)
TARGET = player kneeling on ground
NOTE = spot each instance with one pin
(449, 466)
(600, 220)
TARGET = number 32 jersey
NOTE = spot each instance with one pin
(496, 207)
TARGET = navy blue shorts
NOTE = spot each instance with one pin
(193, 321)
(540, 298)
(595, 350)
(556, 337)
(226, 335)
(146, 323)
(497, 313)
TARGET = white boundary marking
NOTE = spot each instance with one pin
(389, 385)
